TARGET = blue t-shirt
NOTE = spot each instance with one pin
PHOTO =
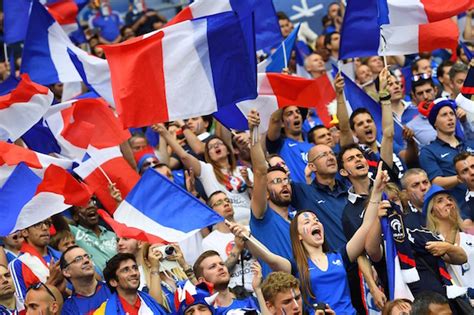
(78, 304)
(437, 160)
(294, 153)
(330, 286)
(327, 204)
(109, 26)
(248, 303)
(274, 232)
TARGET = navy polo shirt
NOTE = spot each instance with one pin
(437, 160)
(468, 211)
(353, 213)
(414, 219)
(327, 204)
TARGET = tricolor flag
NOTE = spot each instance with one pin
(111, 162)
(15, 13)
(65, 13)
(161, 211)
(47, 44)
(26, 199)
(22, 108)
(465, 98)
(11, 155)
(361, 17)
(278, 91)
(185, 70)
(77, 123)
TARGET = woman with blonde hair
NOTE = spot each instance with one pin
(443, 218)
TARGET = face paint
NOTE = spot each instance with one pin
(198, 126)
(293, 294)
(283, 311)
(306, 215)
(305, 230)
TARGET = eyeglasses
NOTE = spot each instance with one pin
(323, 155)
(420, 76)
(46, 223)
(280, 180)
(220, 202)
(215, 145)
(78, 259)
(38, 285)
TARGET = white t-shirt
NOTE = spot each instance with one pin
(236, 190)
(465, 272)
(223, 244)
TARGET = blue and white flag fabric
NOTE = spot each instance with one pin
(160, 207)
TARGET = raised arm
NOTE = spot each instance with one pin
(187, 159)
(258, 203)
(386, 150)
(276, 263)
(356, 245)
(342, 114)
(275, 125)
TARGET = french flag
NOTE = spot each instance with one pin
(278, 91)
(161, 211)
(15, 15)
(65, 13)
(24, 194)
(277, 61)
(464, 99)
(22, 108)
(103, 165)
(11, 155)
(362, 17)
(47, 44)
(76, 124)
(413, 12)
(185, 70)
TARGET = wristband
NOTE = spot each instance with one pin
(384, 96)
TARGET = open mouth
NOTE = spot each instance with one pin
(218, 151)
(369, 133)
(360, 166)
(316, 231)
(297, 123)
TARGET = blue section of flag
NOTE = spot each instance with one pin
(277, 62)
(90, 94)
(15, 14)
(390, 254)
(383, 12)
(267, 28)
(233, 74)
(8, 85)
(17, 191)
(40, 139)
(360, 33)
(231, 117)
(466, 50)
(36, 49)
(170, 205)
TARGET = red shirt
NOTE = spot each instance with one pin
(129, 308)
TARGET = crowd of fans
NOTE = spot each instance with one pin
(306, 206)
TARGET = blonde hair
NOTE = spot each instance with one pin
(433, 222)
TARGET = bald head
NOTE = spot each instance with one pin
(322, 160)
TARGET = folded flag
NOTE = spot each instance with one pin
(101, 165)
(157, 206)
(77, 123)
(11, 155)
(278, 91)
(185, 70)
(22, 108)
(361, 17)
(281, 56)
(27, 200)
(15, 14)
(47, 44)
(413, 12)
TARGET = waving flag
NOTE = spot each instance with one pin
(15, 14)
(361, 17)
(11, 155)
(22, 108)
(46, 44)
(26, 199)
(111, 162)
(161, 211)
(413, 12)
(281, 56)
(185, 70)
(278, 91)
(65, 13)
(465, 98)
(76, 124)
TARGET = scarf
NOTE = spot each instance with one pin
(113, 306)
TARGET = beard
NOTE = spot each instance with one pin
(279, 201)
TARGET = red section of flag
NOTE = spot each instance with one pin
(185, 15)
(441, 9)
(63, 11)
(23, 92)
(12, 154)
(441, 34)
(138, 80)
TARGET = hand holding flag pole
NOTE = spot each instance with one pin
(240, 231)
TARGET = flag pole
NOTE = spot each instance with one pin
(5, 53)
(249, 238)
(285, 57)
(399, 123)
(102, 171)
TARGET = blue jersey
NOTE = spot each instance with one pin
(248, 303)
(78, 304)
(331, 286)
(109, 26)
(273, 231)
(295, 154)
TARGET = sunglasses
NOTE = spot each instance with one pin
(420, 76)
(38, 285)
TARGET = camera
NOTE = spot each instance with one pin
(166, 250)
(320, 307)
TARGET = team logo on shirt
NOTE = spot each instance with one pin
(337, 262)
(235, 184)
(398, 230)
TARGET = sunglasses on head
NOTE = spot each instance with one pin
(38, 285)
(420, 76)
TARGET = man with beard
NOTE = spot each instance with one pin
(99, 242)
(230, 248)
(88, 293)
(270, 217)
(211, 268)
(37, 261)
(123, 279)
(8, 303)
(285, 137)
